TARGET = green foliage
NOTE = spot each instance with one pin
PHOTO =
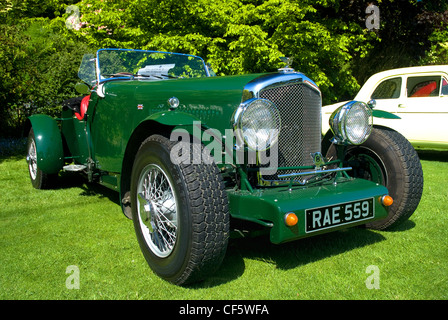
(41, 42)
(38, 70)
(406, 35)
(438, 54)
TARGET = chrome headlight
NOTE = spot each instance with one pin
(351, 123)
(257, 124)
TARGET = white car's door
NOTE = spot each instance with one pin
(389, 94)
(424, 110)
(421, 101)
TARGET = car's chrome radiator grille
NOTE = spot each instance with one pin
(300, 135)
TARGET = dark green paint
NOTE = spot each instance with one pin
(209, 100)
(75, 133)
(105, 133)
(50, 154)
(271, 205)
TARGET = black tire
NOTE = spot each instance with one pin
(39, 179)
(389, 159)
(188, 241)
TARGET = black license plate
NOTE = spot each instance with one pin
(339, 214)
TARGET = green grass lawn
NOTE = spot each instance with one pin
(79, 224)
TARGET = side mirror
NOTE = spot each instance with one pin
(82, 88)
(371, 103)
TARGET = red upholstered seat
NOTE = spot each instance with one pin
(425, 91)
(83, 108)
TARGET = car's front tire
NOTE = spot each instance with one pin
(388, 158)
(180, 213)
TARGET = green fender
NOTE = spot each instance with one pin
(179, 120)
(172, 118)
(185, 123)
(50, 153)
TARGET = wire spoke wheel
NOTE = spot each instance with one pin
(180, 212)
(32, 159)
(39, 179)
(157, 210)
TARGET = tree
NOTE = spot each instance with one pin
(41, 43)
(38, 70)
(406, 34)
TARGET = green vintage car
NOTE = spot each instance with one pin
(197, 158)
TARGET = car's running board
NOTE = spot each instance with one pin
(74, 167)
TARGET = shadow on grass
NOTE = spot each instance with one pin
(404, 226)
(12, 148)
(67, 180)
(16, 157)
(433, 155)
(289, 255)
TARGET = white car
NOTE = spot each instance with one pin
(418, 95)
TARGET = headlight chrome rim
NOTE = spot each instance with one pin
(351, 123)
(257, 124)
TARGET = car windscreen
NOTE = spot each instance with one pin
(123, 63)
(87, 71)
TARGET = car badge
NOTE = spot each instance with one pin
(173, 102)
(288, 62)
(318, 159)
(140, 107)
